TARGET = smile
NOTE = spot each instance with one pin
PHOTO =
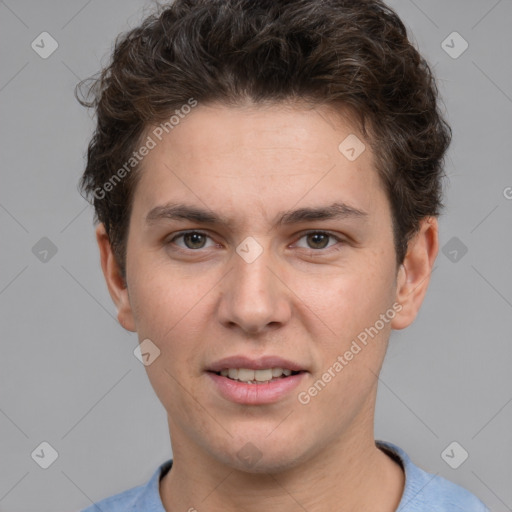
(256, 376)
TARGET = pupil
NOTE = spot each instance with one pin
(196, 239)
(316, 236)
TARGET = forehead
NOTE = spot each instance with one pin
(294, 130)
(264, 158)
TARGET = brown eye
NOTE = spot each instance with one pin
(318, 240)
(192, 240)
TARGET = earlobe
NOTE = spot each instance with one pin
(414, 274)
(115, 282)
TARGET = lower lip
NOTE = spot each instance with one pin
(255, 394)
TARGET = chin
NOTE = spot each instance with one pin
(270, 464)
(258, 455)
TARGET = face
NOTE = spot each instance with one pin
(254, 243)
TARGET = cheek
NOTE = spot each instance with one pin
(160, 301)
(169, 313)
(346, 300)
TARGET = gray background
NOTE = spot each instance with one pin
(68, 375)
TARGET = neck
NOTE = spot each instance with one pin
(351, 474)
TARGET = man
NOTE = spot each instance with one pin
(267, 180)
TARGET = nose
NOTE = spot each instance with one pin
(254, 296)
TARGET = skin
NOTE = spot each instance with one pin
(297, 300)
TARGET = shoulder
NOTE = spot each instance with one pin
(122, 501)
(425, 491)
(143, 497)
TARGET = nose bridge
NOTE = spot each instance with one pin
(253, 297)
(252, 273)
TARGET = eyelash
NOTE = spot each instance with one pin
(315, 251)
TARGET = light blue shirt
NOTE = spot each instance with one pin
(423, 492)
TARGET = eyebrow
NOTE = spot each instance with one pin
(179, 211)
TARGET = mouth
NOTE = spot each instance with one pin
(256, 381)
(257, 377)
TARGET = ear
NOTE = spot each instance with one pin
(114, 279)
(414, 273)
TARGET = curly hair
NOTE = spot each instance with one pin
(352, 54)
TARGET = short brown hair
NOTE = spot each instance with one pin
(354, 53)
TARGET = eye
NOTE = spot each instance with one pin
(192, 239)
(195, 240)
(319, 239)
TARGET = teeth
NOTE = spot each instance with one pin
(254, 376)
(244, 374)
(262, 375)
(277, 372)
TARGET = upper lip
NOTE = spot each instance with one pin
(260, 363)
